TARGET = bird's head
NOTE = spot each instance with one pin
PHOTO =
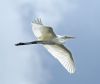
(69, 37)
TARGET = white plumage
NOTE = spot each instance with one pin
(58, 50)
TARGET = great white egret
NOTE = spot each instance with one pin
(53, 43)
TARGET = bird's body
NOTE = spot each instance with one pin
(53, 43)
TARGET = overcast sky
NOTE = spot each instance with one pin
(33, 64)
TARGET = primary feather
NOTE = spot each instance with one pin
(62, 54)
(42, 32)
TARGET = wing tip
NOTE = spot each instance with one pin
(72, 72)
(37, 21)
(70, 68)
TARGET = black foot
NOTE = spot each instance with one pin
(18, 44)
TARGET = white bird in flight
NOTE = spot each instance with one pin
(53, 43)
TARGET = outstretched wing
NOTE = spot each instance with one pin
(63, 55)
(42, 32)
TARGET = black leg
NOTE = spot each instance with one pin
(35, 42)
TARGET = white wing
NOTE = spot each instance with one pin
(42, 32)
(63, 55)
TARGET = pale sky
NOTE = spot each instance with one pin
(33, 64)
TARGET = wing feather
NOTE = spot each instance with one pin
(42, 32)
(63, 55)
